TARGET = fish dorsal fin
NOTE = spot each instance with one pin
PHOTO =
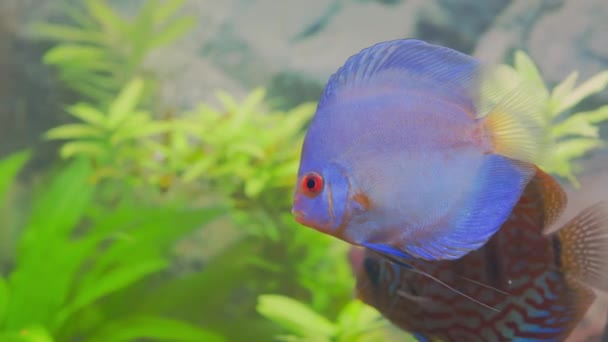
(553, 195)
(406, 62)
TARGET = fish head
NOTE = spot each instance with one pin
(321, 199)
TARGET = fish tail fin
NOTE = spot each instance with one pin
(584, 246)
(515, 127)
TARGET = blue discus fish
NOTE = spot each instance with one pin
(401, 157)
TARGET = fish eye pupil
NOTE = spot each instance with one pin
(311, 183)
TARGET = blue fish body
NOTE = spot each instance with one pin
(399, 157)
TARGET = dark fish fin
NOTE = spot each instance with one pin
(553, 196)
(584, 246)
(500, 184)
(420, 337)
(581, 298)
(406, 61)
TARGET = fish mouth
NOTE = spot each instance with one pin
(299, 216)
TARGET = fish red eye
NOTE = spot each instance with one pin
(312, 184)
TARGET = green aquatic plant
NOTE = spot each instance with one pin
(100, 50)
(249, 152)
(117, 140)
(211, 150)
(573, 133)
(242, 156)
(75, 250)
(10, 212)
(208, 146)
(356, 322)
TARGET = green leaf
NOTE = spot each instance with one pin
(166, 9)
(91, 91)
(140, 131)
(594, 116)
(4, 299)
(561, 91)
(527, 69)
(254, 186)
(9, 168)
(88, 114)
(12, 336)
(64, 33)
(85, 148)
(59, 208)
(138, 235)
(576, 125)
(137, 327)
(112, 282)
(248, 148)
(80, 79)
(564, 87)
(41, 279)
(99, 70)
(575, 148)
(197, 169)
(357, 321)
(294, 316)
(592, 86)
(106, 16)
(73, 131)
(142, 29)
(173, 32)
(251, 103)
(28, 334)
(73, 53)
(357, 314)
(125, 103)
(226, 100)
(80, 16)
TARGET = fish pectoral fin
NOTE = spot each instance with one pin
(584, 246)
(496, 191)
(516, 128)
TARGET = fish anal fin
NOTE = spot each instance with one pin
(584, 246)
